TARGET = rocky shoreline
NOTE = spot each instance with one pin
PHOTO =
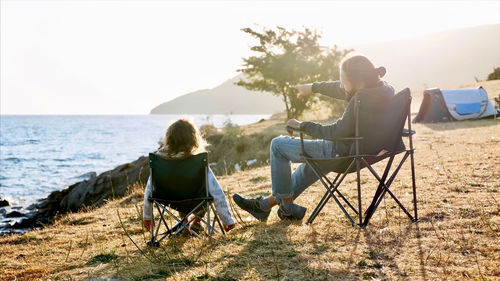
(92, 192)
(4, 203)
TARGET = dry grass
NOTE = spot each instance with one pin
(458, 180)
(457, 237)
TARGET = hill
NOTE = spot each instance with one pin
(226, 98)
(442, 59)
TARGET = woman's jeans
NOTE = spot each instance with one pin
(285, 150)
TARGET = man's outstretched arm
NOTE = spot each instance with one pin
(331, 89)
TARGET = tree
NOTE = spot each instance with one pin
(495, 75)
(287, 58)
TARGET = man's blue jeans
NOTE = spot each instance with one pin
(285, 150)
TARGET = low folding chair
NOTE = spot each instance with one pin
(180, 185)
(376, 121)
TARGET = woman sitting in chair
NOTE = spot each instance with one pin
(357, 76)
(181, 140)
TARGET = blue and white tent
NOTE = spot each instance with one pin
(454, 105)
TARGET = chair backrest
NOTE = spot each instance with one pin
(178, 179)
(381, 122)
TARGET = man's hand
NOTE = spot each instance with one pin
(148, 224)
(304, 90)
(293, 123)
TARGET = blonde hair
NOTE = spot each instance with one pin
(182, 136)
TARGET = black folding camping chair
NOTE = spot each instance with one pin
(375, 119)
(180, 185)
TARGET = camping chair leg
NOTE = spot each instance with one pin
(334, 183)
(385, 188)
(393, 176)
(218, 220)
(155, 242)
(380, 189)
(413, 172)
(211, 222)
(358, 179)
(331, 192)
(323, 200)
(347, 202)
(400, 204)
(154, 233)
(180, 225)
(318, 208)
(175, 229)
(211, 227)
(208, 218)
(161, 219)
(415, 219)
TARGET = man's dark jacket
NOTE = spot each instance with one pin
(373, 114)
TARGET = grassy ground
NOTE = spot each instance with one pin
(457, 237)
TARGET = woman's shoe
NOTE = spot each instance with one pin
(227, 228)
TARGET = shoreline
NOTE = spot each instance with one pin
(12, 217)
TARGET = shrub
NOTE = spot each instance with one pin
(208, 130)
(495, 75)
(227, 150)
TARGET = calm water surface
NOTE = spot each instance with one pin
(40, 154)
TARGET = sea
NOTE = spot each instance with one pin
(40, 154)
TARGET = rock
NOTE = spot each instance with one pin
(26, 224)
(92, 192)
(14, 214)
(87, 176)
(20, 256)
(4, 203)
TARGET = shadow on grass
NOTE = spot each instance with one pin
(382, 250)
(270, 254)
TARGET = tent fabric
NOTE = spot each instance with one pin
(454, 105)
(455, 98)
(468, 108)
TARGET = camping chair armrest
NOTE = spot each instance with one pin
(301, 132)
(288, 128)
(344, 139)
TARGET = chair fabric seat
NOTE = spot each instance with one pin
(340, 164)
(183, 206)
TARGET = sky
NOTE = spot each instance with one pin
(126, 57)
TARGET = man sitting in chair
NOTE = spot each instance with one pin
(357, 76)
